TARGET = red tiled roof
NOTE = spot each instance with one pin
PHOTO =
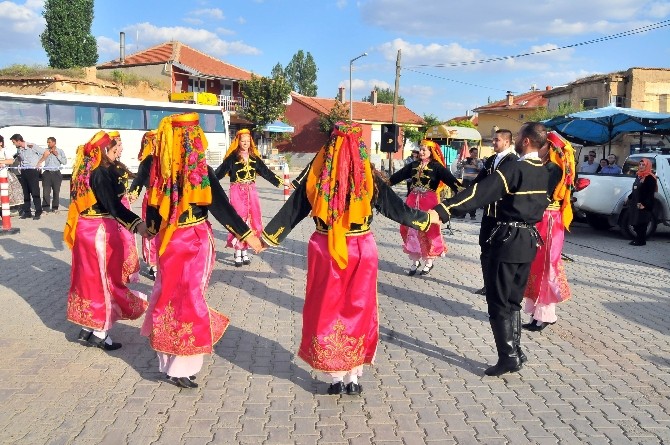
(525, 101)
(362, 111)
(185, 56)
(473, 118)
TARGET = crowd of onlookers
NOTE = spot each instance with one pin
(605, 166)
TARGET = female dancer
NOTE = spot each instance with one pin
(429, 176)
(547, 283)
(131, 259)
(145, 156)
(180, 325)
(340, 321)
(242, 163)
(98, 294)
(641, 201)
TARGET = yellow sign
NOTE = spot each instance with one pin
(195, 98)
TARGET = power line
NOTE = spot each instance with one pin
(619, 35)
(455, 81)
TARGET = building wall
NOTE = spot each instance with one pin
(511, 120)
(649, 89)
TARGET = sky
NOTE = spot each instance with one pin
(437, 40)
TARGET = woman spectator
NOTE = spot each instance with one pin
(601, 165)
(15, 189)
(182, 191)
(641, 202)
(340, 321)
(429, 176)
(243, 163)
(98, 295)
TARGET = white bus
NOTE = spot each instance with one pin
(73, 118)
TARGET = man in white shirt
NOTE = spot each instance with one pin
(590, 165)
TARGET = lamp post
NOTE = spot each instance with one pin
(351, 104)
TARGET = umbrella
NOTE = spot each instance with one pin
(599, 126)
(278, 127)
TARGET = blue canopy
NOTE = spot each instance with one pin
(601, 125)
(278, 127)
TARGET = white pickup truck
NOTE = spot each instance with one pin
(601, 197)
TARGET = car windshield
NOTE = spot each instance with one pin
(632, 163)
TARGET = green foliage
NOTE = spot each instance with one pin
(266, 98)
(300, 73)
(338, 113)
(563, 108)
(277, 70)
(67, 38)
(40, 71)
(460, 123)
(417, 134)
(384, 96)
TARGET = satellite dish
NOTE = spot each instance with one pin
(289, 100)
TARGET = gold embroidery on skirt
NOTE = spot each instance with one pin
(171, 336)
(337, 351)
(79, 311)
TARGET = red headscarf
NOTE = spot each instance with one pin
(642, 174)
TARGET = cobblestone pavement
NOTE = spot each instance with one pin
(599, 376)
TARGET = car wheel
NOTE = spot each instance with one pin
(629, 232)
(598, 222)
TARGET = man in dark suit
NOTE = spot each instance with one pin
(504, 152)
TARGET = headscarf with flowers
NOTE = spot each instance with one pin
(437, 155)
(148, 145)
(340, 187)
(179, 175)
(647, 171)
(562, 154)
(81, 196)
(253, 150)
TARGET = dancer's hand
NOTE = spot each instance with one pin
(255, 243)
(142, 230)
(434, 217)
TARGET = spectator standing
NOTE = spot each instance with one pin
(603, 164)
(590, 165)
(611, 168)
(31, 158)
(641, 201)
(471, 166)
(15, 191)
(51, 175)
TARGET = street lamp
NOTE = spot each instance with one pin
(351, 104)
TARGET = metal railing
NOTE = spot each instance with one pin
(229, 103)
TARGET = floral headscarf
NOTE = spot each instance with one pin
(148, 145)
(562, 154)
(179, 175)
(81, 196)
(340, 186)
(253, 150)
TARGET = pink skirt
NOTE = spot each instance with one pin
(547, 282)
(98, 294)
(245, 201)
(131, 260)
(179, 321)
(149, 246)
(428, 244)
(340, 328)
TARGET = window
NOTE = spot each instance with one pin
(630, 166)
(78, 116)
(122, 118)
(196, 85)
(211, 122)
(154, 116)
(589, 104)
(23, 113)
(619, 101)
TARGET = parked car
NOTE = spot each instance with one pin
(602, 197)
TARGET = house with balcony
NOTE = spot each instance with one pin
(188, 72)
(303, 113)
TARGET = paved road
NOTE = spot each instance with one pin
(599, 376)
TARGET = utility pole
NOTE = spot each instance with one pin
(395, 106)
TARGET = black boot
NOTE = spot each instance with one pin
(516, 328)
(508, 358)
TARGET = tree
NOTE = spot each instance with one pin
(384, 96)
(266, 97)
(336, 114)
(563, 109)
(277, 71)
(416, 134)
(301, 73)
(67, 37)
(461, 123)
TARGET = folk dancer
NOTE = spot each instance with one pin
(98, 295)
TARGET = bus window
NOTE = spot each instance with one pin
(77, 116)
(154, 117)
(23, 113)
(212, 122)
(122, 118)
